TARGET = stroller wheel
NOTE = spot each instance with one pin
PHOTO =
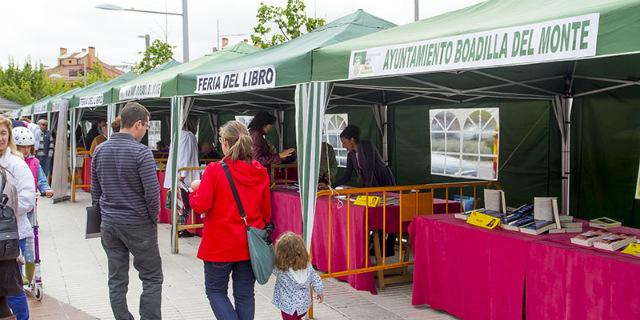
(38, 293)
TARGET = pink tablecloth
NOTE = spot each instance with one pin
(474, 273)
(565, 281)
(86, 173)
(165, 214)
(287, 217)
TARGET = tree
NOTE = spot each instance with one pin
(158, 53)
(289, 21)
(28, 84)
(95, 74)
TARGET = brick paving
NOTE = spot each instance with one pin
(74, 272)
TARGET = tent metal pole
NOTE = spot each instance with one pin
(176, 112)
(606, 89)
(567, 104)
(515, 83)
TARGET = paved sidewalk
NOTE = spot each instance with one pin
(74, 273)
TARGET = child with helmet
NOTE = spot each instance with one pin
(25, 142)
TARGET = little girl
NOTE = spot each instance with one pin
(294, 278)
(25, 141)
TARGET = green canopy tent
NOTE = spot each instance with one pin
(266, 80)
(88, 104)
(57, 113)
(552, 56)
(155, 90)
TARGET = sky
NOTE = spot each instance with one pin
(37, 29)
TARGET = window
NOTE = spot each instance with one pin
(465, 142)
(244, 120)
(154, 134)
(333, 126)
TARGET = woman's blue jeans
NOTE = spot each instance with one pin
(216, 280)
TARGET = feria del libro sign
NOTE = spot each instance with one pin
(240, 80)
(562, 39)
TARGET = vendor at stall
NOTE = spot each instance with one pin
(263, 151)
(100, 138)
(364, 159)
(208, 151)
(187, 157)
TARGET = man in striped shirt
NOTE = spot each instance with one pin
(126, 192)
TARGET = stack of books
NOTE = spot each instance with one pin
(494, 205)
(602, 239)
(518, 217)
(614, 241)
(545, 217)
(604, 223)
(588, 238)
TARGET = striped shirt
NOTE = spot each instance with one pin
(124, 184)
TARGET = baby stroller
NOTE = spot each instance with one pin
(33, 286)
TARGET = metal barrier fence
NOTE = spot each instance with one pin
(407, 202)
(78, 178)
(191, 219)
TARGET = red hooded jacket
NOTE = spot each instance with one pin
(224, 237)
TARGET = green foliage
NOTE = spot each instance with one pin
(27, 84)
(93, 75)
(31, 83)
(158, 53)
(290, 22)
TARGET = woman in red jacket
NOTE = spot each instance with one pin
(224, 247)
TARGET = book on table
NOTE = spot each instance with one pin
(566, 218)
(556, 231)
(588, 238)
(604, 222)
(465, 215)
(538, 227)
(571, 224)
(521, 222)
(494, 200)
(614, 241)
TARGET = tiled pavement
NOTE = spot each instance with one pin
(74, 272)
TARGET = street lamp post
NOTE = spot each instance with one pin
(147, 39)
(185, 22)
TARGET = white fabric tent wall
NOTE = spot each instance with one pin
(311, 100)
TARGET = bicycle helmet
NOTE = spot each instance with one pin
(23, 137)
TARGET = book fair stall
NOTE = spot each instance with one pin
(520, 61)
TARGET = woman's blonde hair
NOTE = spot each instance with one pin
(11, 145)
(291, 252)
(240, 142)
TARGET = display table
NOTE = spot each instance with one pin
(287, 216)
(474, 273)
(165, 214)
(86, 173)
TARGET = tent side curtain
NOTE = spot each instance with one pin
(311, 100)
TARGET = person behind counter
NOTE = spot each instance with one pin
(364, 159)
(263, 151)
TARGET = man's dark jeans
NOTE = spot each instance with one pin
(118, 240)
(216, 281)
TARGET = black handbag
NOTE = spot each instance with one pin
(9, 236)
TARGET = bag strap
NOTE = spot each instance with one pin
(243, 215)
